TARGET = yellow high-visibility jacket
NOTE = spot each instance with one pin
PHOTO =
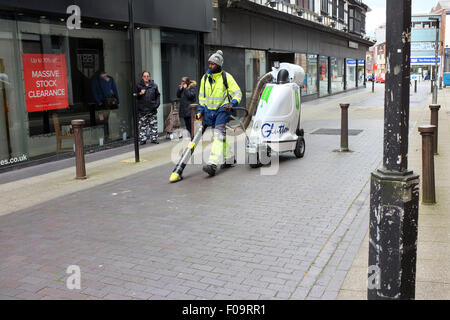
(215, 95)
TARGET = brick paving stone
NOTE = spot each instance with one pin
(98, 293)
(113, 296)
(115, 289)
(202, 293)
(330, 295)
(178, 288)
(220, 290)
(300, 293)
(215, 282)
(140, 295)
(62, 294)
(112, 281)
(317, 291)
(11, 292)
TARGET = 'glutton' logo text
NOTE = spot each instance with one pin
(269, 129)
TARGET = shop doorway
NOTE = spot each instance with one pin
(273, 56)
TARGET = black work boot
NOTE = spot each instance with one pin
(210, 169)
(228, 165)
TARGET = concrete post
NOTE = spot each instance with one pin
(394, 194)
(428, 182)
(344, 127)
(79, 149)
(435, 122)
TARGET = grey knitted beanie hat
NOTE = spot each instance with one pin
(217, 58)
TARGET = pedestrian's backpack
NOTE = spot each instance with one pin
(173, 120)
(225, 83)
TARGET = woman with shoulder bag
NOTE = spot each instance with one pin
(187, 93)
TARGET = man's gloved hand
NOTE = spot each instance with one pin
(228, 107)
(198, 116)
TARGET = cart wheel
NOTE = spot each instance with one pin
(256, 165)
(254, 161)
(299, 151)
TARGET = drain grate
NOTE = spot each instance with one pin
(336, 132)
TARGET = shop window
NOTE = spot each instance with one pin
(351, 73)
(255, 68)
(337, 74)
(361, 65)
(309, 64)
(56, 75)
(179, 58)
(323, 76)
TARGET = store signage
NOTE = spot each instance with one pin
(423, 46)
(45, 79)
(353, 45)
(425, 60)
(352, 62)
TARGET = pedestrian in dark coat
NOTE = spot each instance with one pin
(148, 101)
(187, 93)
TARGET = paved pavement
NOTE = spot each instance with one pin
(433, 252)
(239, 235)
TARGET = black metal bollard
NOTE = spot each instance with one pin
(415, 86)
(373, 85)
(428, 187)
(80, 163)
(435, 122)
(344, 127)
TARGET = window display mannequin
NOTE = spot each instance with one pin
(106, 96)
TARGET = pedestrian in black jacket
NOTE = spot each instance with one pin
(187, 93)
(148, 101)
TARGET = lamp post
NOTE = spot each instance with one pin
(133, 82)
(394, 190)
(436, 66)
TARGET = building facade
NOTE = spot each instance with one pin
(51, 68)
(443, 8)
(326, 38)
(426, 28)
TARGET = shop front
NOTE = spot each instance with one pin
(52, 73)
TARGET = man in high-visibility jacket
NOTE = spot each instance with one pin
(219, 93)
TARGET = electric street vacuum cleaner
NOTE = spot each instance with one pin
(276, 124)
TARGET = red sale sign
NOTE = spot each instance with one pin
(45, 81)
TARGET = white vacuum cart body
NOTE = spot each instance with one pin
(276, 124)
